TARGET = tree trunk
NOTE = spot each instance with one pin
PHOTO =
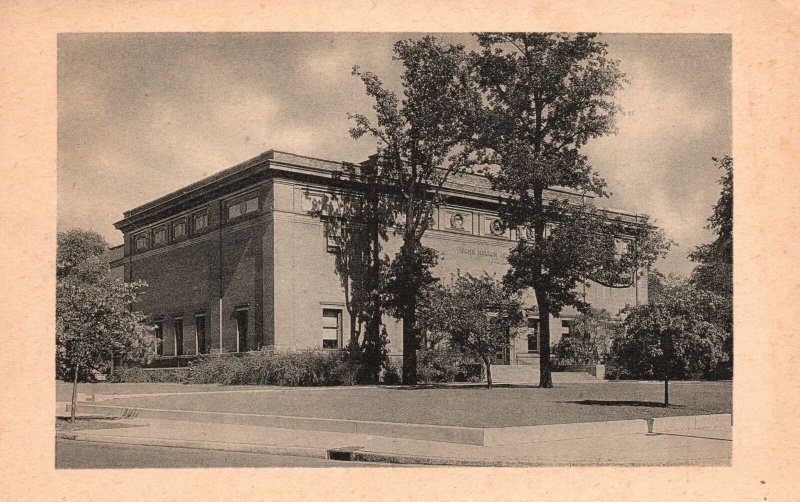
(74, 392)
(488, 373)
(372, 330)
(353, 345)
(666, 392)
(374, 324)
(410, 343)
(545, 376)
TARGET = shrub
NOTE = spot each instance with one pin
(676, 337)
(589, 339)
(391, 374)
(136, 374)
(292, 369)
(348, 373)
(443, 364)
(224, 370)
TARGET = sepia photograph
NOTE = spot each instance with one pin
(352, 249)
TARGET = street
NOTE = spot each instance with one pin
(91, 455)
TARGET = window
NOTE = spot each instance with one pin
(200, 334)
(177, 328)
(566, 326)
(159, 334)
(331, 328)
(333, 234)
(178, 229)
(533, 334)
(241, 330)
(241, 207)
(199, 222)
(160, 236)
(140, 242)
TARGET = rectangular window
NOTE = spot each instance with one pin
(140, 242)
(178, 229)
(199, 222)
(241, 207)
(566, 326)
(333, 234)
(331, 328)
(200, 334)
(177, 327)
(159, 334)
(241, 330)
(160, 236)
(533, 334)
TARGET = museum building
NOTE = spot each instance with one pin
(237, 261)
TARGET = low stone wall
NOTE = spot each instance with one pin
(596, 370)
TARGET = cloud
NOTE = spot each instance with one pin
(141, 115)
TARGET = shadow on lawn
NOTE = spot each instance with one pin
(643, 404)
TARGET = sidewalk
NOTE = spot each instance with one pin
(711, 446)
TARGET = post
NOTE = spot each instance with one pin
(75, 391)
(666, 392)
(220, 325)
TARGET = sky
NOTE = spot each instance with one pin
(141, 115)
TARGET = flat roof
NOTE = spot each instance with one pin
(468, 183)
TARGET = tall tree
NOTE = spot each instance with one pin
(356, 220)
(419, 142)
(714, 271)
(546, 95)
(94, 320)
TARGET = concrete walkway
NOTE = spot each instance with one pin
(709, 446)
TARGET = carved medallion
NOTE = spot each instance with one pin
(496, 228)
(457, 221)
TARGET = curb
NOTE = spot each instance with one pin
(346, 455)
(687, 422)
(489, 436)
(294, 451)
(389, 458)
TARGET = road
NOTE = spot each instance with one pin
(90, 455)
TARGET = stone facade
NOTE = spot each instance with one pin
(237, 260)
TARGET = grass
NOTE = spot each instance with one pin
(64, 390)
(461, 406)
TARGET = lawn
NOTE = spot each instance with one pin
(464, 406)
(64, 390)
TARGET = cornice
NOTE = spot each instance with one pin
(470, 189)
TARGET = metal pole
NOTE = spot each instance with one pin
(220, 325)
